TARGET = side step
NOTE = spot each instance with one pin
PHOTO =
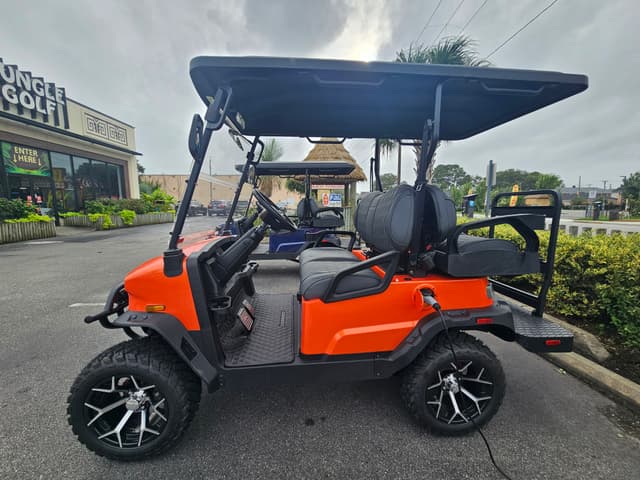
(539, 335)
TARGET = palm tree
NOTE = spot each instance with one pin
(272, 152)
(387, 146)
(448, 51)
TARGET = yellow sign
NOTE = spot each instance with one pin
(514, 198)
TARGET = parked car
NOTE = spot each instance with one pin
(195, 208)
(242, 206)
(218, 207)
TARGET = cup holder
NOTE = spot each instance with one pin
(220, 303)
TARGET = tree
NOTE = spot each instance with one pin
(458, 50)
(548, 181)
(389, 180)
(631, 186)
(294, 185)
(505, 179)
(272, 152)
(448, 176)
(141, 168)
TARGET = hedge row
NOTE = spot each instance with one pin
(596, 279)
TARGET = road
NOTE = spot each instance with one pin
(551, 426)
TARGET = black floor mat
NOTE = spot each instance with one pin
(272, 338)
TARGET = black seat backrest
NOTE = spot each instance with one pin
(306, 209)
(439, 215)
(385, 219)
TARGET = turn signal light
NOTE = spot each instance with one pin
(155, 308)
(484, 320)
(552, 342)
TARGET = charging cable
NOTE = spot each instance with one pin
(430, 299)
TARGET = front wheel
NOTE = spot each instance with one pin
(447, 398)
(134, 400)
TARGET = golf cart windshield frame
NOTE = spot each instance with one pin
(200, 137)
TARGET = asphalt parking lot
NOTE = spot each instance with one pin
(550, 425)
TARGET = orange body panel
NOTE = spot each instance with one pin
(148, 285)
(378, 323)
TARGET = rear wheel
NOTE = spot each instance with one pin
(134, 400)
(444, 398)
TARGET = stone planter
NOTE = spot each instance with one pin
(18, 232)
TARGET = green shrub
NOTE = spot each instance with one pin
(70, 214)
(12, 209)
(133, 204)
(95, 206)
(127, 216)
(33, 217)
(106, 220)
(158, 201)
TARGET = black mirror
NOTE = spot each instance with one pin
(195, 135)
(235, 135)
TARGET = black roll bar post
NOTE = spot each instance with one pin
(243, 179)
(430, 139)
(199, 138)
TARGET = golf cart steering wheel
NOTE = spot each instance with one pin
(274, 217)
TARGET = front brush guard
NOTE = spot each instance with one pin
(116, 304)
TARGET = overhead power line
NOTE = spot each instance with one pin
(472, 17)
(428, 21)
(447, 24)
(522, 28)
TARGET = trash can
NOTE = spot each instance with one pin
(469, 205)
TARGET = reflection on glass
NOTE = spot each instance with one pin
(63, 180)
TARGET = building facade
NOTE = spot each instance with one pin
(57, 153)
(217, 187)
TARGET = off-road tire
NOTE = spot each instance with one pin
(149, 358)
(436, 357)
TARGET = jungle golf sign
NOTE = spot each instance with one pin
(29, 96)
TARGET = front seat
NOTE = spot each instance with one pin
(385, 224)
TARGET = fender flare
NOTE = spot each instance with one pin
(177, 337)
(429, 327)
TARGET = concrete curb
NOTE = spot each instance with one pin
(604, 380)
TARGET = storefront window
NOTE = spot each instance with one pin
(100, 176)
(115, 180)
(84, 182)
(63, 180)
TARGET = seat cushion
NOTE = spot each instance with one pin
(326, 253)
(482, 257)
(317, 276)
(327, 219)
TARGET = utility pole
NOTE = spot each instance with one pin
(491, 180)
(399, 161)
(210, 183)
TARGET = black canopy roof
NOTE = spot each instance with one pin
(338, 98)
(301, 168)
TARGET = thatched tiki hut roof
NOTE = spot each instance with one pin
(334, 152)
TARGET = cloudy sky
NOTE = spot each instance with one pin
(130, 59)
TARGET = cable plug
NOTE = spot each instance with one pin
(429, 297)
